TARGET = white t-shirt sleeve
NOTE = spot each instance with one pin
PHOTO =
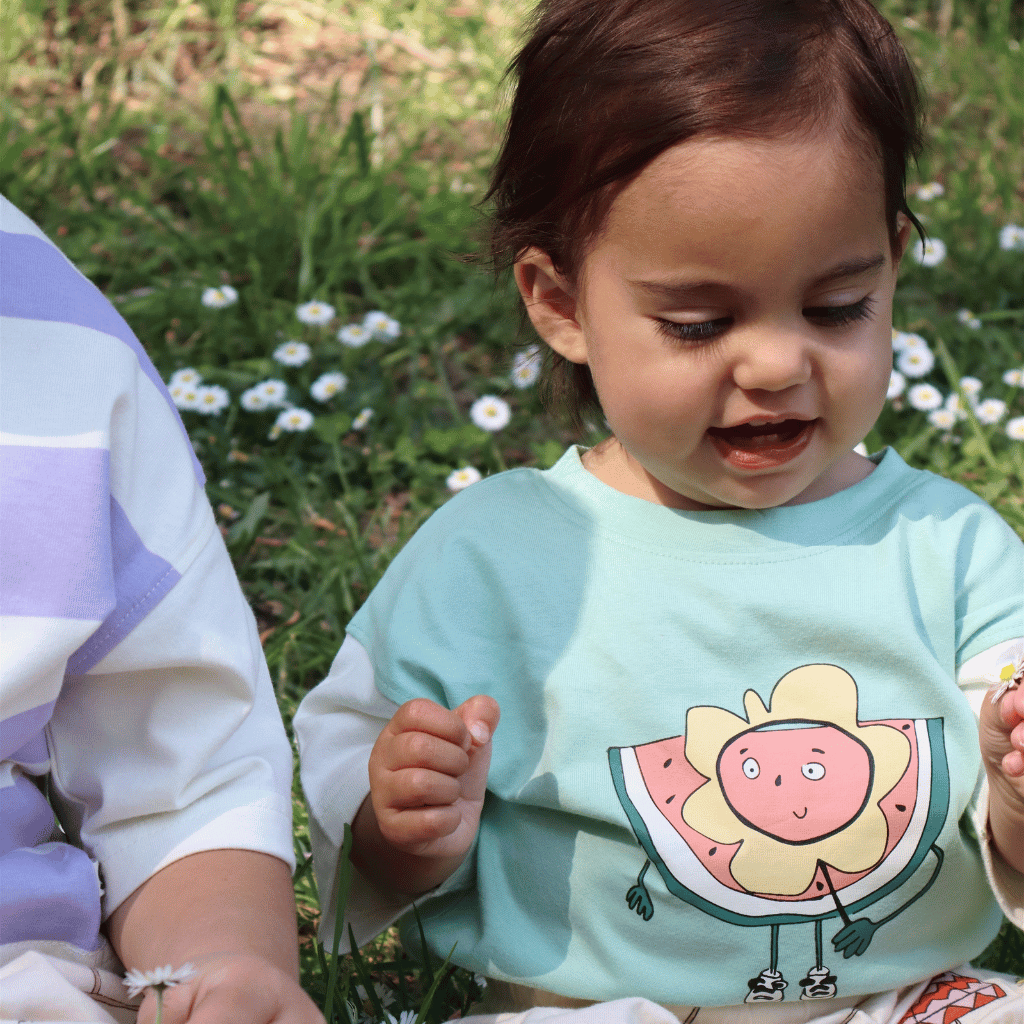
(977, 679)
(336, 726)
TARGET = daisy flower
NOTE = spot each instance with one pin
(901, 341)
(293, 353)
(158, 978)
(273, 392)
(955, 406)
(362, 420)
(1015, 378)
(526, 367)
(1015, 428)
(924, 396)
(381, 325)
(968, 319)
(354, 335)
(295, 421)
(944, 419)
(972, 386)
(327, 385)
(315, 312)
(186, 375)
(460, 479)
(218, 298)
(915, 362)
(930, 191)
(405, 1017)
(185, 396)
(930, 253)
(253, 400)
(897, 384)
(992, 410)
(490, 413)
(1011, 238)
(210, 399)
(1009, 676)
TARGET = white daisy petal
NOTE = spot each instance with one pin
(354, 335)
(218, 298)
(380, 325)
(1015, 378)
(460, 479)
(293, 353)
(294, 420)
(273, 392)
(186, 375)
(944, 419)
(1011, 238)
(897, 384)
(362, 420)
(924, 396)
(968, 319)
(490, 413)
(915, 362)
(992, 410)
(315, 312)
(211, 399)
(526, 367)
(327, 385)
(930, 253)
(1015, 428)
(253, 400)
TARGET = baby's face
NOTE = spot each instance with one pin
(736, 317)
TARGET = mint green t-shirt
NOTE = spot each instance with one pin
(730, 742)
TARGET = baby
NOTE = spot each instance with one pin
(722, 643)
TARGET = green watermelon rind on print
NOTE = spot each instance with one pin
(938, 805)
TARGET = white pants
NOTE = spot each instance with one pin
(966, 995)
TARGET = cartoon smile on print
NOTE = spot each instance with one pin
(796, 814)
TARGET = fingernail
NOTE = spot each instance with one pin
(480, 732)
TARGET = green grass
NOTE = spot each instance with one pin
(355, 186)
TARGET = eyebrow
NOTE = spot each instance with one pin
(683, 289)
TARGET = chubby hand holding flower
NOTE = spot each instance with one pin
(222, 989)
(428, 777)
(1002, 749)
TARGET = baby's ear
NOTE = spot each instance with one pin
(551, 305)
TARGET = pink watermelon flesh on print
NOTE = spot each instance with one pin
(670, 779)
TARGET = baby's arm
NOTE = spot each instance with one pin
(1002, 749)
(428, 777)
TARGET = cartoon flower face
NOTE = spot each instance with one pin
(796, 782)
(857, 764)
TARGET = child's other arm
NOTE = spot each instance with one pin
(231, 913)
(428, 777)
(1002, 749)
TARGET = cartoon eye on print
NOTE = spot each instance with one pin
(752, 769)
(813, 771)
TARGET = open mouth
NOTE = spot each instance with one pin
(768, 444)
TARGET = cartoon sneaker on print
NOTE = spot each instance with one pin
(797, 814)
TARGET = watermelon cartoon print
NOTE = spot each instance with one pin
(796, 814)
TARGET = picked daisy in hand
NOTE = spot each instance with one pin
(218, 298)
(1009, 676)
(930, 253)
(315, 312)
(293, 353)
(490, 413)
(159, 979)
(460, 479)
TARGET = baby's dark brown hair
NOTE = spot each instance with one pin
(602, 87)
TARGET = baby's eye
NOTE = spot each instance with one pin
(840, 316)
(701, 330)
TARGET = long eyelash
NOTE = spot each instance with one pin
(840, 316)
(695, 333)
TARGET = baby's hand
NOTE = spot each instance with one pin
(1002, 738)
(234, 988)
(428, 776)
